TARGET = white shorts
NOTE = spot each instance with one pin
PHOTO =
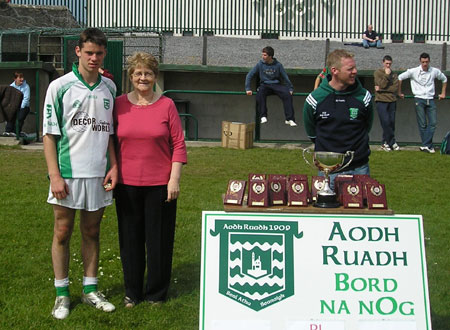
(84, 194)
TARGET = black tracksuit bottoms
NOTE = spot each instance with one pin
(146, 237)
(282, 92)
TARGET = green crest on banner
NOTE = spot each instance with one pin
(256, 261)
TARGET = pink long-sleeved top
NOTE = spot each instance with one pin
(150, 138)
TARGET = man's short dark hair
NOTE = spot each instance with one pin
(424, 55)
(18, 74)
(387, 58)
(269, 51)
(93, 35)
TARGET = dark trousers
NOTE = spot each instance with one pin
(21, 115)
(146, 237)
(386, 112)
(282, 92)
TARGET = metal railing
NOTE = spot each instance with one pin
(408, 20)
(190, 116)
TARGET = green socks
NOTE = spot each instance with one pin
(89, 288)
(62, 291)
(89, 284)
(62, 287)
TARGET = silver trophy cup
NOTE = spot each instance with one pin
(327, 162)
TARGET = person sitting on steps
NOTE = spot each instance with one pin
(271, 72)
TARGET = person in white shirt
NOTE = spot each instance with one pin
(77, 129)
(422, 85)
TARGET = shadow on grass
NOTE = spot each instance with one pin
(75, 300)
(185, 280)
(440, 321)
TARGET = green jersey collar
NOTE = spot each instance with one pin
(80, 77)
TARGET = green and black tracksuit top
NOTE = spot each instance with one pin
(340, 121)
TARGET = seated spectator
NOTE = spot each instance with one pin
(10, 101)
(20, 84)
(274, 80)
(371, 38)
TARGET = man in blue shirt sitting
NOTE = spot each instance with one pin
(271, 75)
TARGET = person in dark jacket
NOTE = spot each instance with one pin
(21, 85)
(273, 80)
(10, 101)
(338, 115)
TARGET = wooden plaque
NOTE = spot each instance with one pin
(298, 177)
(256, 176)
(298, 193)
(277, 189)
(235, 192)
(258, 193)
(352, 195)
(339, 180)
(364, 179)
(376, 196)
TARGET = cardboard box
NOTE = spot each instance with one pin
(237, 135)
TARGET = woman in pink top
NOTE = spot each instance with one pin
(150, 154)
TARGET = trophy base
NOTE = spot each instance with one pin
(327, 201)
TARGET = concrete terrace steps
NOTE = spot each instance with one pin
(295, 54)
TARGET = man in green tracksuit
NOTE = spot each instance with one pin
(338, 115)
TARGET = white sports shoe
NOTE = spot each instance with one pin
(263, 120)
(385, 147)
(97, 300)
(290, 122)
(426, 149)
(62, 307)
(395, 147)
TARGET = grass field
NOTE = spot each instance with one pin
(416, 183)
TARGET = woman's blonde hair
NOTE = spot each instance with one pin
(142, 59)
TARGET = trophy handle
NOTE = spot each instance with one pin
(351, 154)
(307, 151)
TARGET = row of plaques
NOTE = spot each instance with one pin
(353, 191)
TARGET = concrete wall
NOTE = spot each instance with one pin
(294, 54)
(211, 110)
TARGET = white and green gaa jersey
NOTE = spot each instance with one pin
(80, 117)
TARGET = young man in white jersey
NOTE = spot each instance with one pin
(78, 146)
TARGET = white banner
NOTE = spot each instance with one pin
(313, 272)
